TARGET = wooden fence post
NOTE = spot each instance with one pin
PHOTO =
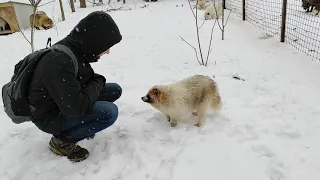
(243, 10)
(283, 22)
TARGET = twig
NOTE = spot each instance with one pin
(209, 49)
(25, 36)
(191, 8)
(198, 37)
(202, 24)
(195, 14)
(195, 50)
(35, 6)
(217, 17)
(47, 3)
(223, 25)
(228, 18)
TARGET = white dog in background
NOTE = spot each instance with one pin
(3, 24)
(201, 4)
(213, 11)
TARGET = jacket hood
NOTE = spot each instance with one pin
(94, 34)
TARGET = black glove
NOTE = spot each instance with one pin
(99, 79)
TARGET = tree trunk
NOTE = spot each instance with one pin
(32, 28)
(62, 11)
(83, 4)
(72, 6)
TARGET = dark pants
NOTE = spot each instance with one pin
(103, 114)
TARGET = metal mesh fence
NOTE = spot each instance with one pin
(302, 29)
(265, 14)
(235, 6)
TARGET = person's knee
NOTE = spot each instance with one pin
(115, 88)
(114, 113)
(111, 116)
(118, 89)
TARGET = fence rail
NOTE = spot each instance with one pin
(286, 20)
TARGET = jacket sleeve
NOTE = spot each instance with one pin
(70, 97)
(101, 79)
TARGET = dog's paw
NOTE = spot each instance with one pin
(173, 124)
(168, 118)
(315, 12)
(197, 124)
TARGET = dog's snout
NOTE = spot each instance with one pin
(146, 99)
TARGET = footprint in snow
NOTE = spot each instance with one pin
(290, 133)
(263, 151)
(244, 133)
(275, 174)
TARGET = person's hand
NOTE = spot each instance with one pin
(99, 79)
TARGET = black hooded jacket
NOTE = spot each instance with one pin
(54, 90)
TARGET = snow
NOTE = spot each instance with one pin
(268, 129)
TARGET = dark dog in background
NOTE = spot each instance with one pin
(311, 6)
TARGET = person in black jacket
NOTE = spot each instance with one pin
(75, 108)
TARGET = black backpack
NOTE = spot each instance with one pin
(15, 93)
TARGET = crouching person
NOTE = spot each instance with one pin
(75, 107)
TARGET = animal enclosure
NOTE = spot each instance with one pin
(289, 21)
(16, 15)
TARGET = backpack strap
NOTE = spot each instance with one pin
(49, 42)
(66, 50)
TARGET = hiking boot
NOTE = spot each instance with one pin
(91, 137)
(74, 152)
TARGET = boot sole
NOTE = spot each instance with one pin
(73, 160)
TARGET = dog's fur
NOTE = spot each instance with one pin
(195, 94)
(41, 20)
(213, 11)
(311, 5)
(201, 4)
(3, 24)
(41, 12)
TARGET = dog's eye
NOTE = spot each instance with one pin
(155, 90)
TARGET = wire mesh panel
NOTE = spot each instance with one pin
(235, 6)
(303, 28)
(265, 14)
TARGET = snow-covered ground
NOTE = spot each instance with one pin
(302, 29)
(268, 129)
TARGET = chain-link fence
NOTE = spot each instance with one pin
(288, 20)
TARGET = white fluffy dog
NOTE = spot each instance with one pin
(195, 94)
(3, 24)
(201, 4)
(213, 12)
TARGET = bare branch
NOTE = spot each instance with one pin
(191, 8)
(195, 50)
(195, 14)
(209, 49)
(198, 37)
(46, 3)
(227, 18)
(217, 16)
(119, 8)
(24, 36)
(202, 24)
(223, 23)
